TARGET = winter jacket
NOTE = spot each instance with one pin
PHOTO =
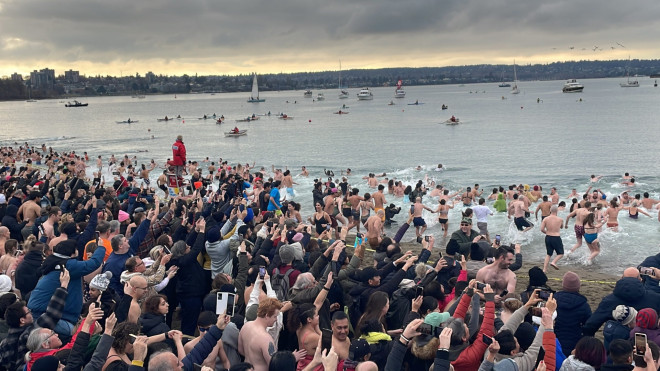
(178, 153)
(573, 311)
(28, 272)
(470, 357)
(573, 364)
(627, 291)
(364, 290)
(614, 330)
(10, 221)
(460, 242)
(116, 262)
(50, 282)
(153, 324)
(219, 251)
(191, 276)
(651, 334)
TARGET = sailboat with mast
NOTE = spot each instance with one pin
(628, 83)
(514, 89)
(254, 98)
(343, 93)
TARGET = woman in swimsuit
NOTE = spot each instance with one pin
(365, 206)
(293, 211)
(591, 236)
(633, 210)
(321, 219)
(443, 215)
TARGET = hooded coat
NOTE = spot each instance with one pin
(627, 291)
(573, 364)
(178, 153)
(10, 221)
(573, 311)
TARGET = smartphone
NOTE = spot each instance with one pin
(97, 235)
(458, 257)
(640, 344)
(503, 293)
(269, 224)
(480, 285)
(225, 303)
(544, 295)
(132, 339)
(419, 291)
(646, 271)
(326, 339)
(427, 238)
(425, 329)
(412, 209)
(166, 250)
(498, 239)
(359, 235)
(262, 272)
(327, 227)
(487, 339)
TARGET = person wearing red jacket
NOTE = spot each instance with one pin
(178, 156)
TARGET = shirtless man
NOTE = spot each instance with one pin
(517, 208)
(579, 214)
(374, 228)
(372, 181)
(573, 194)
(551, 227)
(629, 183)
(594, 178)
(54, 216)
(330, 202)
(340, 340)
(99, 163)
(554, 196)
(476, 192)
(446, 196)
(418, 221)
(544, 207)
(29, 211)
(254, 342)
(355, 200)
(510, 192)
(162, 183)
(136, 288)
(304, 172)
(436, 192)
(287, 182)
(648, 202)
(379, 200)
(498, 274)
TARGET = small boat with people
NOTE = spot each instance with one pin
(444, 106)
(75, 103)
(254, 97)
(166, 119)
(453, 120)
(340, 112)
(572, 86)
(129, 121)
(235, 132)
(249, 118)
(365, 94)
(307, 94)
(417, 103)
(284, 116)
(320, 96)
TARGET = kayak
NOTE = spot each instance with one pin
(167, 119)
(127, 122)
(341, 113)
(455, 122)
(415, 104)
(248, 119)
(233, 134)
(285, 117)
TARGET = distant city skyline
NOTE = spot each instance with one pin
(230, 38)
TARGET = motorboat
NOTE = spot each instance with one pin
(320, 96)
(307, 94)
(75, 103)
(453, 121)
(572, 86)
(254, 98)
(399, 92)
(365, 94)
(235, 133)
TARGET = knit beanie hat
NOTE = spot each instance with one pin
(101, 281)
(624, 314)
(287, 254)
(66, 247)
(525, 335)
(647, 318)
(213, 234)
(537, 277)
(123, 216)
(435, 319)
(5, 283)
(358, 349)
(571, 282)
(47, 363)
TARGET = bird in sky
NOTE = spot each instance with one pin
(620, 45)
(571, 47)
(596, 48)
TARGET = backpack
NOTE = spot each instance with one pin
(280, 284)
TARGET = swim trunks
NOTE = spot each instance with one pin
(483, 227)
(380, 208)
(355, 213)
(333, 221)
(522, 223)
(346, 211)
(442, 221)
(554, 243)
(590, 237)
(419, 221)
(579, 231)
(290, 191)
(612, 224)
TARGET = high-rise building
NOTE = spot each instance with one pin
(71, 76)
(16, 77)
(44, 79)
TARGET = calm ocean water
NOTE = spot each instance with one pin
(558, 141)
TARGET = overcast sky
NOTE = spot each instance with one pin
(270, 36)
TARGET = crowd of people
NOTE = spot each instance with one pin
(226, 276)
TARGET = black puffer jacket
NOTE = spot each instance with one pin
(153, 324)
(29, 272)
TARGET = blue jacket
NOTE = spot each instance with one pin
(116, 262)
(615, 330)
(50, 282)
(627, 291)
(573, 311)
